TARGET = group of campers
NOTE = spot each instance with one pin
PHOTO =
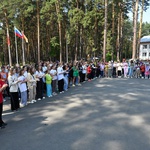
(30, 83)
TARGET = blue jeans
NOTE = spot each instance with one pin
(130, 72)
(24, 98)
(65, 83)
(49, 89)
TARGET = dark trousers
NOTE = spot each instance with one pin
(83, 77)
(102, 73)
(80, 74)
(1, 110)
(39, 89)
(61, 85)
(119, 72)
(98, 72)
(143, 74)
(89, 75)
(14, 100)
(54, 82)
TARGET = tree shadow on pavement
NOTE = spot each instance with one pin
(106, 114)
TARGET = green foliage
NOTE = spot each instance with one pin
(54, 44)
(82, 24)
(146, 29)
(108, 57)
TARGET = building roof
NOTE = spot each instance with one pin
(145, 39)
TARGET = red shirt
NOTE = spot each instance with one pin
(89, 69)
(1, 95)
(142, 68)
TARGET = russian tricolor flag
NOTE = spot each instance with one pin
(18, 33)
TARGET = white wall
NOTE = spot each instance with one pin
(144, 51)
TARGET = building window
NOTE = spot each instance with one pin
(144, 46)
(144, 54)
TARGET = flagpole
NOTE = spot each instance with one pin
(23, 57)
(8, 38)
(16, 48)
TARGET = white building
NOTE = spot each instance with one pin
(144, 53)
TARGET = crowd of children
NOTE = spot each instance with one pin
(29, 83)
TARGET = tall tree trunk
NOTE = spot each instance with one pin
(81, 32)
(57, 5)
(113, 29)
(105, 31)
(118, 34)
(140, 28)
(95, 36)
(135, 30)
(77, 35)
(38, 29)
(121, 34)
(23, 43)
(4, 48)
(66, 47)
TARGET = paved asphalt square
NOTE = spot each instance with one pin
(104, 114)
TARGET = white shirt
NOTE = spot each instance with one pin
(84, 69)
(22, 86)
(25, 74)
(102, 66)
(53, 73)
(60, 72)
(39, 74)
(119, 67)
(13, 86)
(44, 68)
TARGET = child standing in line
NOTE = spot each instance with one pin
(48, 78)
(147, 72)
(142, 68)
(2, 88)
(23, 87)
(76, 75)
(53, 73)
(89, 71)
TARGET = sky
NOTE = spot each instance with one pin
(146, 16)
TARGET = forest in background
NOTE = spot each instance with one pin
(68, 30)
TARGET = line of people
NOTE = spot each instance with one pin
(30, 83)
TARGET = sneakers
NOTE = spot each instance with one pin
(43, 98)
(61, 92)
(39, 99)
(54, 93)
(73, 85)
(50, 96)
(4, 100)
(30, 102)
(22, 105)
(34, 101)
(79, 84)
